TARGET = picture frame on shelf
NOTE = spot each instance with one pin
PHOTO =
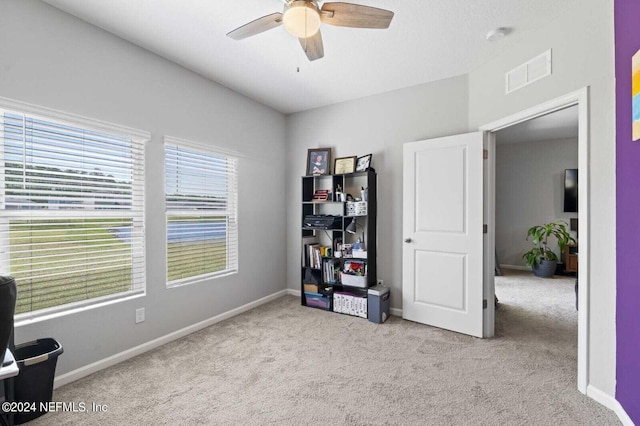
(344, 165)
(364, 163)
(318, 161)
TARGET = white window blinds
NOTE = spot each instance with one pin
(71, 211)
(201, 210)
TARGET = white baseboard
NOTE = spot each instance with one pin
(81, 372)
(516, 267)
(611, 403)
(293, 292)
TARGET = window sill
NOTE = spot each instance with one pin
(29, 318)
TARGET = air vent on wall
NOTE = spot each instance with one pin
(525, 74)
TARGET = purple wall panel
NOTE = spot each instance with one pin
(627, 36)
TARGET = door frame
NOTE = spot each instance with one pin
(581, 99)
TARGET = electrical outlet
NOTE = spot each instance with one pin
(380, 282)
(139, 315)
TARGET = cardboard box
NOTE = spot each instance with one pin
(311, 288)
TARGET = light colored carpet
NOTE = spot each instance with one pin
(286, 364)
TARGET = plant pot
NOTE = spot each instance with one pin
(544, 269)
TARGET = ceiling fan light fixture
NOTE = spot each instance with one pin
(301, 18)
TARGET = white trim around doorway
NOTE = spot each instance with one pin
(581, 99)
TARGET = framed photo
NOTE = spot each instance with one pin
(344, 165)
(318, 161)
(364, 163)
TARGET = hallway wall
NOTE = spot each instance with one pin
(530, 191)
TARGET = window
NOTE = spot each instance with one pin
(71, 209)
(201, 209)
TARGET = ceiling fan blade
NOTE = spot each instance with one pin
(256, 27)
(355, 15)
(312, 46)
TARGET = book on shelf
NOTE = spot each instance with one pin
(321, 195)
(307, 241)
(330, 272)
(314, 255)
(305, 256)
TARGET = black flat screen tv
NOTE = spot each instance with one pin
(571, 191)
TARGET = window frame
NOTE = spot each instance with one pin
(139, 140)
(232, 231)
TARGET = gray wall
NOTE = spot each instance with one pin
(380, 125)
(582, 46)
(51, 59)
(57, 61)
(530, 191)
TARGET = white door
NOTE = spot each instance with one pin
(442, 275)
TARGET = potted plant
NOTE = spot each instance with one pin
(541, 258)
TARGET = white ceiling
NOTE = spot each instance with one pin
(561, 124)
(428, 40)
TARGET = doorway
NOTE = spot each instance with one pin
(535, 161)
(579, 100)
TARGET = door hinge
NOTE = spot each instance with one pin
(485, 229)
(484, 303)
(485, 154)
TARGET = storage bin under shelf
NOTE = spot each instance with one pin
(353, 280)
(320, 301)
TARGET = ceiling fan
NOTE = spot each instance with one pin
(302, 19)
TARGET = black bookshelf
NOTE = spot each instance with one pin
(326, 252)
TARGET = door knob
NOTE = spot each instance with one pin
(407, 240)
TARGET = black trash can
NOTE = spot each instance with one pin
(37, 362)
(7, 309)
